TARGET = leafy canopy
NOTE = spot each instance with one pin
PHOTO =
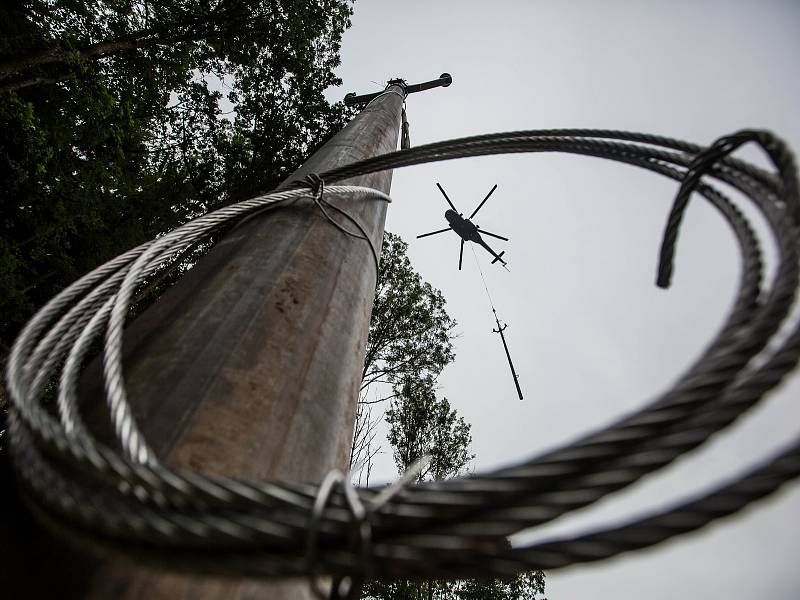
(409, 344)
(410, 336)
(422, 424)
(122, 119)
(410, 331)
(125, 118)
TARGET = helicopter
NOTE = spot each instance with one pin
(467, 230)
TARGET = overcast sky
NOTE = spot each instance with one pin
(591, 336)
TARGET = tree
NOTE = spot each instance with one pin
(154, 113)
(43, 47)
(421, 424)
(410, 331)
(124, 119)
(410, 336)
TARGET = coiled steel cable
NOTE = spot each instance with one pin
(454, 528)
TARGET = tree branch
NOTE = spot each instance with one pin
(389, 397)
(17, 85)
(195, 29)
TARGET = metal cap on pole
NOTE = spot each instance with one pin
(444, 80)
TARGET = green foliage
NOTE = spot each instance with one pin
(421, 424)
(123, 119)
(410, 330)
(409, 344)
(409, 337)
(114, 124)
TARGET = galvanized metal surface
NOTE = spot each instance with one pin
(250, 366)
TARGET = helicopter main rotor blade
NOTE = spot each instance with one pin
(446, 197)
(433, 233)
(499, 237)
(461, 255)
(475, 212)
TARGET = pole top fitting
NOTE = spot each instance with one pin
(445, 79)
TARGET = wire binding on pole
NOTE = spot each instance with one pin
(317, 186)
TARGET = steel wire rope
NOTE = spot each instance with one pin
(483, 279)
(789, 286)
(560, 481)
(17, 376)
(562, 473)
(293, 499)
(792, 361)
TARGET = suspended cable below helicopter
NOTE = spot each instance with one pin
(500, 328)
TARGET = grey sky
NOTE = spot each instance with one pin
(591, 336)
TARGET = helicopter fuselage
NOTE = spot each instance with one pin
(466, 229)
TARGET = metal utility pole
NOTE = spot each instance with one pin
(250, 366)
(500, 329)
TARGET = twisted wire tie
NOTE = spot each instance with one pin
(317, 187)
